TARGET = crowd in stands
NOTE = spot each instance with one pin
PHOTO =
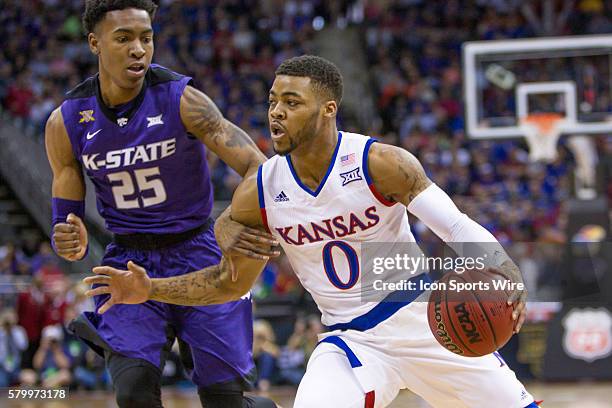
(231, 48)
(414, 50)
(37, 302)
(286, 363)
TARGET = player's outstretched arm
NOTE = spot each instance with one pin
(239, 270)
(399, 176)
(69, 235)
(203, 119)
(210, 285)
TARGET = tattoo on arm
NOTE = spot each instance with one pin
(193, 289)
(397, 174)
(413, 173)
(202, 116)
(205, 121)
(510, 269)
(236, 137)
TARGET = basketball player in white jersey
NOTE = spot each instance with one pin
(324, 194)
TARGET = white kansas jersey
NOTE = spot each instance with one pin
(321, 231)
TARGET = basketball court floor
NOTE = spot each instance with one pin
(556, 395)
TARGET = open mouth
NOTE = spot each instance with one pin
(138, 69)
(276, 131)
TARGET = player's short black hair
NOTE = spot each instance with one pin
(324, 74)
(95, 10)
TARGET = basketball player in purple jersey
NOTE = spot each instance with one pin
(138, 131)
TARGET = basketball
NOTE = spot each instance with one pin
(472, 322)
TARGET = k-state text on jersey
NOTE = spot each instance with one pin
(130, 155)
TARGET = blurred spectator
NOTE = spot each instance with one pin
(57, 299)
(51, 362)
(42, 107)
(292, 358)
(313, 329)
(12, 260)
(90, 373)
(80, 302)
(5, 80)
(13, 341)
(265, 353)
(301, 344)
(31, 314)
(277, 279)
(286, 282)
(44, 260)
(19, 97)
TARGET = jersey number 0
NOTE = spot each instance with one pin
(330, 268)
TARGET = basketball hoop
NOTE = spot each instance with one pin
(542, 131)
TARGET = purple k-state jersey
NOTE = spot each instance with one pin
(150, 174)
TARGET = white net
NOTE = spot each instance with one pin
(542, 132)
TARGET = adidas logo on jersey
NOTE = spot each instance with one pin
(281, 197)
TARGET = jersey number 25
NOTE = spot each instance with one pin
(147, 180)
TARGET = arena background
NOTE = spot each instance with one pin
(402, 64)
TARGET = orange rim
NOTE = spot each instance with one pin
(545, 122)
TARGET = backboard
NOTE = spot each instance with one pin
(506, 81)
